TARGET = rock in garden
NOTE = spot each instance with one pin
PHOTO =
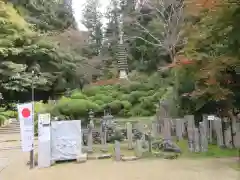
(169, 146)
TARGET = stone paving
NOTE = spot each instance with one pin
(4, 162)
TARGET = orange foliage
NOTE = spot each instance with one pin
(194, 6)
(211, 81)
(106, 82)
(180, 62)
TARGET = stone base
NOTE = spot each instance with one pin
(129, 158)
(165, 155)
(53, 162)
(104, 156)
(123, 74)
(104, 150)
(99, 156)
(82, 158)
(90, 151)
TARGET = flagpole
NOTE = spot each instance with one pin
(32, 151)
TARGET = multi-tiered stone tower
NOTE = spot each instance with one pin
(122, 59)
(122, 53)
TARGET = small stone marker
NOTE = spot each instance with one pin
(117, 151)
(129, 135)
(234, 130)
(167, 129)
(211, 118)
(149, 142)
(203, 137)
(228, 137)
(190, 129)
(237, 142)
(205, 124)
(154, 129)
(90, 138)
(218, 130)
(103, 134)
(138, 149)
(196, 140)
(179, 129)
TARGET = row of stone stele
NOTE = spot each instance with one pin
(139, 152)
(84, 157)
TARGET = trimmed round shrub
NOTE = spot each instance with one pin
(147, 104)
(138, 110)
(107, 99)
(126, 105)
(76, 108)
(115, 94)
(102, 97)
(115, 106)
(124, 97)
(2, 119)
(150, 92)
(10, 114)
(124, 113)
(78, 95)
(135, 96)
(99, 102)
(92, 91)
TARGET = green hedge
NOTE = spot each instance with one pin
(5, 115)
(132, 99)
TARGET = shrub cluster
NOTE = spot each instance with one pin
(5, 115)
(133, 99)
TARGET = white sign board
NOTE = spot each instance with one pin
(44, 140)
(44, 132)
(25, 115)
(211, 118)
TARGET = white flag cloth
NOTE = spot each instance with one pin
(25, 116)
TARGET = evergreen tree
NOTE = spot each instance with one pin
(112, 30)
(92, 17)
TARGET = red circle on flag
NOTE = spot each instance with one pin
(26, 112)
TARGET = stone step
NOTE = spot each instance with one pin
(122, 63)
(121, 53)
(12, 128)
(13, 131)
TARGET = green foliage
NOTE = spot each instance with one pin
(77, 95)
(6, 114)
(132, 99)
(92, 21)
(46, 15)
(213, 80)
(74, 108)
(2, 119)
(23, 49)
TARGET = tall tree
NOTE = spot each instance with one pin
(213, 46)
(92, 17)
(161, 25)
(46, 15)
(23, 50)
(112, 29)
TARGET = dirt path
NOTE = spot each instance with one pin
(181, 169)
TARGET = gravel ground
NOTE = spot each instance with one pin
(181, 169)
(15, 161)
